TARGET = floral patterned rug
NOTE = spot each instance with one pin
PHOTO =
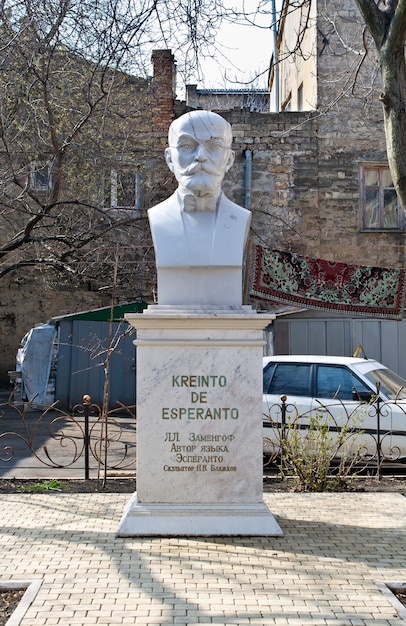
(317, 283)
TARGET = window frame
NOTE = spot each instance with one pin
(111, 182)
(379, 167)
(36, 168)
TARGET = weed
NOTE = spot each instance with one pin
(43, 486)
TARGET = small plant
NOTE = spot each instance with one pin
(44, 485)
(318, 454)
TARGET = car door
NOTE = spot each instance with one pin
(292, 380)
(342, 399)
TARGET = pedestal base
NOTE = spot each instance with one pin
(199, 424)
(192, 520)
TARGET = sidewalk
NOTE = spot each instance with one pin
(327, 570)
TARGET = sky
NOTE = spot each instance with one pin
(248, 50)
(242, 58)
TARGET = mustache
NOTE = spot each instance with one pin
(199, 167)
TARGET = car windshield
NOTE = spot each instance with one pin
(392, 386)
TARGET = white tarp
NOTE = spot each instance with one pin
(34, 362)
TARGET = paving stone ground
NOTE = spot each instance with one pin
(326, 570)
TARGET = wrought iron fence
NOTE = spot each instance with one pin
(368, 434)
(87, 436)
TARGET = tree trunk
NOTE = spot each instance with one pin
(393, 72)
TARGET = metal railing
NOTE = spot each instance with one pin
(364, 430)
(85, 438)
(88, 438)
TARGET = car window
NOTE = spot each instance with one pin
(267, 375)
(391, 385)
(291, 379)
(340, 381)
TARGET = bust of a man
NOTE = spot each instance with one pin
(199, 235)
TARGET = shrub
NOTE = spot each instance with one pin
(320, 454)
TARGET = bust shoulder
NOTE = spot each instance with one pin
(168, 207)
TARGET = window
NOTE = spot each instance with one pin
(121, 190)
(379, 202)
(291, 379)
(334, 381)
(40, 177)
(266, 377)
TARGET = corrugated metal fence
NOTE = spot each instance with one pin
(383, 340)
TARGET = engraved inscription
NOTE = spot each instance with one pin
(197, 452)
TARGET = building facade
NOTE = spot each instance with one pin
(254, 100)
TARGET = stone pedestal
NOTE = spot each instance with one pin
(199, 424)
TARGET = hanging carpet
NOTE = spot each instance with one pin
(316, 283)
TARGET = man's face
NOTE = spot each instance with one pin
(199, 154)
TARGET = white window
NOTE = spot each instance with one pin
(122, 189)
(380, 207)
(40, 177)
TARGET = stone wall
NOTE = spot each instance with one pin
(306, 184)
(284, 175)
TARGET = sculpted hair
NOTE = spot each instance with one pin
(206, 118)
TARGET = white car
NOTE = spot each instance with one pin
(356, 393)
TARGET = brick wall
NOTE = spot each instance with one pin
(163, 88)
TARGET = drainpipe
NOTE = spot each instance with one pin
(247, 202)
(275, 55)
(248, 177)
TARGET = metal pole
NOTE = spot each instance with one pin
(86, 410)
(283, 434)
(378, 429)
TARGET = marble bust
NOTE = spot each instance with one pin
(199, 235)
